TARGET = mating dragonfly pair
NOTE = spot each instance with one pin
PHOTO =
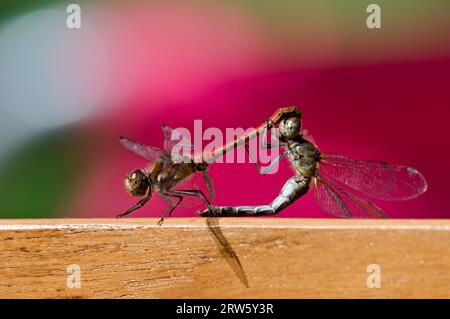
(341, 184)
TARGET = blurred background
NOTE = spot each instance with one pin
(67, 94)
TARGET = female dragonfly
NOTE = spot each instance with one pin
(339, 182)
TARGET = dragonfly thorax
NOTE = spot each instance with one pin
(304, 156)
(201, 167)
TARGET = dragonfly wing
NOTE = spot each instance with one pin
(375, 179)
(167, 134)
(337, 201)
(209, 185)
(195, 182)
(176, 137)
(146, 152)
(189, 183)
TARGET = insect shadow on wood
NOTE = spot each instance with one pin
(226, 250)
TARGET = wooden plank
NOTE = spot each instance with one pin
(234, 257)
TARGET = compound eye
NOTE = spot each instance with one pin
(292, 127)
(135, 183)
(135, 176)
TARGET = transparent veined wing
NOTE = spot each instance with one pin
(375, 179)
(178, 137)
(144, 151)
(209, 185)
(337, 201)
(198, 181)
(167, 134)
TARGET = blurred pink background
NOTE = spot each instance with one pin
(396, 114)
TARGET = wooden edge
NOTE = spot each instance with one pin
(312, 223)
(224, 258)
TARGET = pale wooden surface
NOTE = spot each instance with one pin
(281, 258)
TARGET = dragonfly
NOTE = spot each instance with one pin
(343, 186)
(174, 176)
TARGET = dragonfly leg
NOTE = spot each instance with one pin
(292, 190)
(265, 170)
(264, 143)
(196, 193)
(136, 206)
(171, 207)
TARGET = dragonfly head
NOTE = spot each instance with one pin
(137, 183)
(290, 127)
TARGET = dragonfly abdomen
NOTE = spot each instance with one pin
(293, 189)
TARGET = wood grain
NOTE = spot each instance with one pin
(185, 258)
